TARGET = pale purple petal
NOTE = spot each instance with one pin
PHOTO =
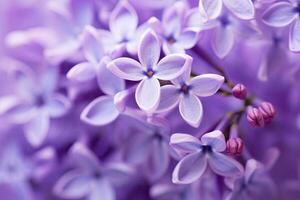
(92, 48)
(223, 40)
(280, 14)
(84, 157)
(149, 49)
(7, 103)
(169, 98)
(183, 78)
(172, 20)
(37, 128)
(102, 188)
(73, 184)
(190, 168)
(185, 143)
(250, 168)
(294, 40)
(108, 82)
(188, 38)
(210, 8)
(243, 9)
(82, 72)
(195, 18)
(191, 110)
(169, 48)
(58, 105)
(206, 84)
(172, 66)
(215, 139)
(224, 165)
(158, 159)
(118, 173)
(127, 68)
(147, 94)
(123, 21)
(100, 111)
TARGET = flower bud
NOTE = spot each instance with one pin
(239, 91)
(235, 146)
(255, 117)
(268, 111)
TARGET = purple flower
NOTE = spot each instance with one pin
(35, 103)
(149, 70)
(282, 14)
(186, 91)
(256, 183)
(200, 154)
(175, 36)
(243, 9)
(91, 179)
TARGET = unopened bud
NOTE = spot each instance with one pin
(268, 111)
(235, 146)
(239, 91)
(255, 117)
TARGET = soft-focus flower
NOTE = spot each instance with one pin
(243, 9)
(281, 14)
(186, 91)
(149, 70)
(175, 35)
(200, 154)
(35, 103)
(91, 179)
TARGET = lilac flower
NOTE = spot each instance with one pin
(149, 70)
(243, 9)
(166, 191)
(282, 14)
(124, 31)
(186, 91)
(69, 19)
(34, 104)
(256, 183)
(200, 154)
(91, 179)
(150, 148)
(175, 36)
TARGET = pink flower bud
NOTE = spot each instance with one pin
(235, 146)
(268, 111)
(239, 91)
(255, 117)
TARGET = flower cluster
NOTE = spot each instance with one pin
(152, 99)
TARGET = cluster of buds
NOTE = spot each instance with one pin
(259, 117)
(235, 146)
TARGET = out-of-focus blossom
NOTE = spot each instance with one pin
(149, 70)
(200, 154)
(281, 14)
(91, 179)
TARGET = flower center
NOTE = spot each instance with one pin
(40, 100)
(149, 73)
(185, 89)
(171, 39)
(224, 21)
(206, 149)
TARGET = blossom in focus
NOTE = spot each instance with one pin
(200, 154)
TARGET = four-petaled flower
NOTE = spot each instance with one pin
(185, 92)
(282, 14)
(149, 70)
(202, 153)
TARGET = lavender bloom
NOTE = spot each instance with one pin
(175, 36)
(256, 183)
(200, 154)
(91, 180)
(186, 91)
(243, 9)
(149, 70)
(35, 103)
(282, 14)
